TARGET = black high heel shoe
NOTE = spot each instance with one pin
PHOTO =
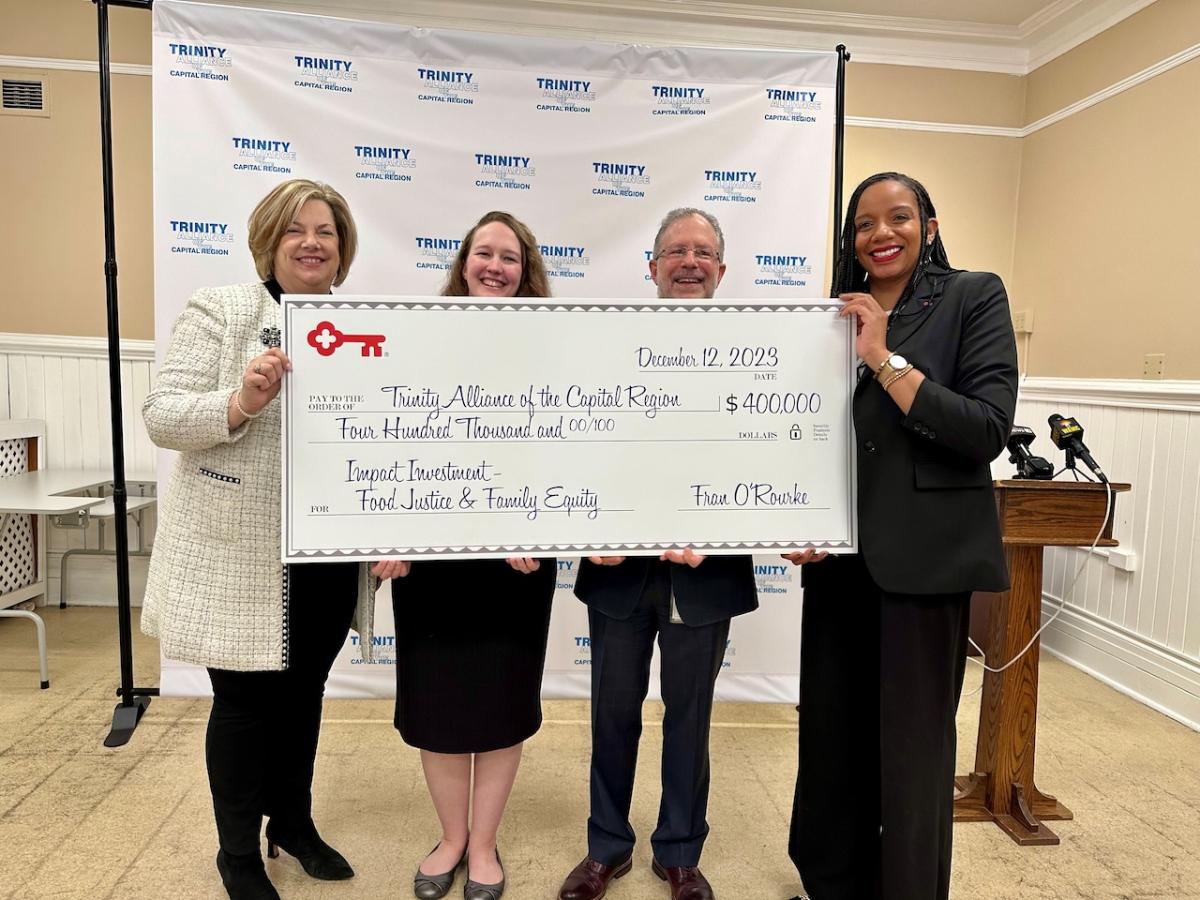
(245, 878)
(317, 857)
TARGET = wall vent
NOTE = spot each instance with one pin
(24, 95)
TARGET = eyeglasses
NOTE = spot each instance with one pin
(702, 254)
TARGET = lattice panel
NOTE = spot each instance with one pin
(18, 567)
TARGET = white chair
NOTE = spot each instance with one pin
(22, 540)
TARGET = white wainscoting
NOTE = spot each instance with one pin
(1138, 630)
(64, 380)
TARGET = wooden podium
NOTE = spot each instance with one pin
(1033, 515)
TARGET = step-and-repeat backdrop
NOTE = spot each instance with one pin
(425, 130)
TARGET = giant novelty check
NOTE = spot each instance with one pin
(448, 427)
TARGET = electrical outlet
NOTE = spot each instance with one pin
(1023, 321)
(1154, 365)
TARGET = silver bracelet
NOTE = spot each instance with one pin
(237, 402)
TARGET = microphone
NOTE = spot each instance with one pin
(1067, 435)
(1028, 465)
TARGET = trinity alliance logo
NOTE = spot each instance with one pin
(326, 339)
(203, 238)
(788, 105)
(325, 73)
(258, 154)
(205, 62)
(782, 269)
(447, 86)
(566, 575)
(436, 252)
(377, 163)
(507, 171)
(571, 95)
(620, 179)
(679, 100)
(772, 579)
(731, 186)
(565, 260)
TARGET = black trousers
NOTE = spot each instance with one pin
(880, 679)
(262, 732)
(691, 660)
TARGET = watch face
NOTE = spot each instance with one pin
(897, 362)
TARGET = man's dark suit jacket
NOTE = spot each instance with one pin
(927, 520)
(719, 588)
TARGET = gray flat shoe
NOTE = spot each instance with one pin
(434, 887)
(473, 890)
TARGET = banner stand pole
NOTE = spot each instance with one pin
(839, 149)
(133, 700)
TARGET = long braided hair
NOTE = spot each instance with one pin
(849, 274)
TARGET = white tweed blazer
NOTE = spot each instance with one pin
(215, 595)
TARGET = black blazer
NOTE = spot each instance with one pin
(719, 588)
(927, 520)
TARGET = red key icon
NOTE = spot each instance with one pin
(325, 339)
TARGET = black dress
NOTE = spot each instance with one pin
(470, 648)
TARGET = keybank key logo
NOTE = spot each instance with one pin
(436, 252)
(678, 100)
(384, 163)
(507, 171)
(206, 62)
(325, 73)
(254, 154)
(206, 238)
(447, 86)
(782, 269)
(620, 179)
(788, 105)
(565, 260)
(569, 95)
(325, 339)
(731, 186)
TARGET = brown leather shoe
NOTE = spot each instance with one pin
(589, 880)
(687, 882)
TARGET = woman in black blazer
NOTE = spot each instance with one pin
(884, 638)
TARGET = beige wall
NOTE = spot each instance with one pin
(53, 226)
(971, 179)
(1099, 255)
(1027, 209)
(1100, 192)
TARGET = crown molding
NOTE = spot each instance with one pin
(942, 127)
(1048, 38)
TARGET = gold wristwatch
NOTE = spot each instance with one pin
(893, 364)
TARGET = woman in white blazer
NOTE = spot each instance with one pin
(217, 594)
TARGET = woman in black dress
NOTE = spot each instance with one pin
(471, 637)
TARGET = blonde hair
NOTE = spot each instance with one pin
(276, 211)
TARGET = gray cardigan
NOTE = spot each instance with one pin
(215, 595)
